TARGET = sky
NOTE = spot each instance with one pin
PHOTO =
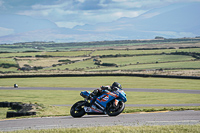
(69, 13)
(74, 13)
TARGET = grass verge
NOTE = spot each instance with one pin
(62, 97)
(48, 111)
(122, 129)
(96, 81)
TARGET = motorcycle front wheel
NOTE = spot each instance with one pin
(113, 110)
(77, 110)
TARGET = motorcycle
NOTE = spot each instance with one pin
(110, 103)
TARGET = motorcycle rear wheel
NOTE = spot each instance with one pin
(115, 110)
(77, 110)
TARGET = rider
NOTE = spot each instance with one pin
(98, 92)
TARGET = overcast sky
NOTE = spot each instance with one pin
(69, 13)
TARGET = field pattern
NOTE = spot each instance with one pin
(139, 57)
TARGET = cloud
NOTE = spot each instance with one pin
(5, 31)
(1, 3)
(83, 11)
(68, 24)
(2, 6)
(65, 13)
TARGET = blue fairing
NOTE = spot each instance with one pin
(104, 99)
(122, 96)
(85, 93)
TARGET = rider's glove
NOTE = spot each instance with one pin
(94, 93)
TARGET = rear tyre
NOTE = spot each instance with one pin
(113, 110)
(77, 110)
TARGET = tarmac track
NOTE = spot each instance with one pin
(164, 118)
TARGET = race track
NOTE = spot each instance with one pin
(135, 119)
(164, 118)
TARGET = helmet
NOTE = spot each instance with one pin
(116, 84)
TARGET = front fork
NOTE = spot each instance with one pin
(115, 103)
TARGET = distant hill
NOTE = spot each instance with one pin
(173, 21)
(24, 23)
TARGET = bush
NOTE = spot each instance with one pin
(64, 60)
(43, 56)
(7, 65)
(108, 64)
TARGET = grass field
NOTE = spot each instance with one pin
(75, 66)
(96, 82)
(45, 62)
(12, 69)
(121, 129)
(134, 60)
(188, 65)
(59, 97)
(99, 52)
(137, 52)
(32, 54)
(146, 59)
(7, 61)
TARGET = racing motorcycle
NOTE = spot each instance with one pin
(110, 103)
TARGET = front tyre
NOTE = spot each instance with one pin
(77, 110)
(113, 110)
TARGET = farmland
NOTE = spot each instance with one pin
(174, 57)
(169, 57)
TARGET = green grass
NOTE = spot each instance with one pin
(136, 52)
(66, 53)
(7, 61)
(46, 62)
(45, 111)
(49, 97)
(99, 52)
(96, 82)
(62, 97)
(17, 49)
(175, 62)
(159, 109)
(121, 129)
(171, 65)
(20, 54)
(74, 66)
(146, 59)
(13, 69)
(124, 63)
(59, 97)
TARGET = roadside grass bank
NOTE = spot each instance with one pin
(157, 109)
(47, 98)
(121, 129)
(97, 81)
(54, 111)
